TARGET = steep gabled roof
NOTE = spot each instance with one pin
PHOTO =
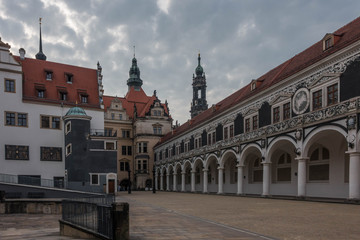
(143, 102)
(348, 34)
(84, 82)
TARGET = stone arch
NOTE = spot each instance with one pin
(252, 147)
(228, 153)
(210, 158)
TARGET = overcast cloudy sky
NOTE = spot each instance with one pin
(238, 40)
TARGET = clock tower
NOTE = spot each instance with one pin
(199, 103)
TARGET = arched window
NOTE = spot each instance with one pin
(318, 166)
(283, 168)
(257, 171)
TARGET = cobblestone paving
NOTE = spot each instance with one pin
(280, 219)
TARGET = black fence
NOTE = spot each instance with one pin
(93, 214)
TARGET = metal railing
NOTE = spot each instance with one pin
(94, 214)
(31, 180)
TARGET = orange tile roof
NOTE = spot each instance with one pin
(347, 35)
(142, 101)
(84, 82)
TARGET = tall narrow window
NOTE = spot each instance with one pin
(63, 96)
(40, 93)
(276, 114)
(317, 100)
(84, 98)
(225, 133)
(231, 131)
(10, 119)
(49, 75)
(286, 111)
(332, 94)
(255, 122)
(247, 125)
(22, 119)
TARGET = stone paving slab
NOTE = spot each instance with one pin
(277, 218)
(151, 222)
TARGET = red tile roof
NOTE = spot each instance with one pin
(346, 35)
(142, 101)
(34, 77)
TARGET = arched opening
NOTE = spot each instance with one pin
(198, 167)
(229, 162)
(253, 170)
(212, 174)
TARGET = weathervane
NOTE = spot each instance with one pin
(40, 20)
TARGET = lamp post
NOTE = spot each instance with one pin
(154, 179)
(129, 182)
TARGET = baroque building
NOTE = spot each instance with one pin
(294, 131)
(138, 122)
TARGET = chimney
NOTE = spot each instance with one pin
(22, 53)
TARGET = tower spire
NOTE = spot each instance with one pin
(40, 55)
(199, 103)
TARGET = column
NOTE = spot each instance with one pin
(167, 182)
(174, 181)
(161, 182)
(205, 190)
(183, 181)
(302, 176)
(156, 181)
(354, 175)
(240, 179)
(192, 181)
(220, 186)
(266, 178)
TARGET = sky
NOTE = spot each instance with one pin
(239, 40)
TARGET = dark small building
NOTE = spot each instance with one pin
(90, 156)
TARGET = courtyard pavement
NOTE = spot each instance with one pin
(168, 215)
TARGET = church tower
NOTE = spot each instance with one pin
(134, 76)
(199, 103)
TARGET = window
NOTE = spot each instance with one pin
(328, 43)
(332, 94)
(112, 116)
(197, 142)
(317, 100)
(211, 138)
(283, 168)
(228, 131)
(68, 149)
(255, 122)
(51, 122)
(125, 133)
(49, 75)
(186, 146)
(142, 147)
(157, 130)
(51, 154)
(120, 116)
(318, 166)
(68, 77)
(94, 179)
(276, 114)
(16, 152)
(16, 119)
(110, 145)
(63, 96)
(126, 150)
(84, 98)
(9, 85)
(247, 125)
(178, 149)
(41, 93)
(124, 166)
(286, 111)
(144, 166)
(169, 152)
(67, 127)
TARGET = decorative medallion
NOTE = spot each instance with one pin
(301, 101)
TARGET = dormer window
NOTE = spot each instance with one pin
(40, 90)
(49, 75)
(329, 40)
(253, 85)
(69, 77)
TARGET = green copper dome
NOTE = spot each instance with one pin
(134, 75)
(76, 111)
(199, 70)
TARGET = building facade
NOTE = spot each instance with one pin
(139, 121)
(35, 96)
(291, 132)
